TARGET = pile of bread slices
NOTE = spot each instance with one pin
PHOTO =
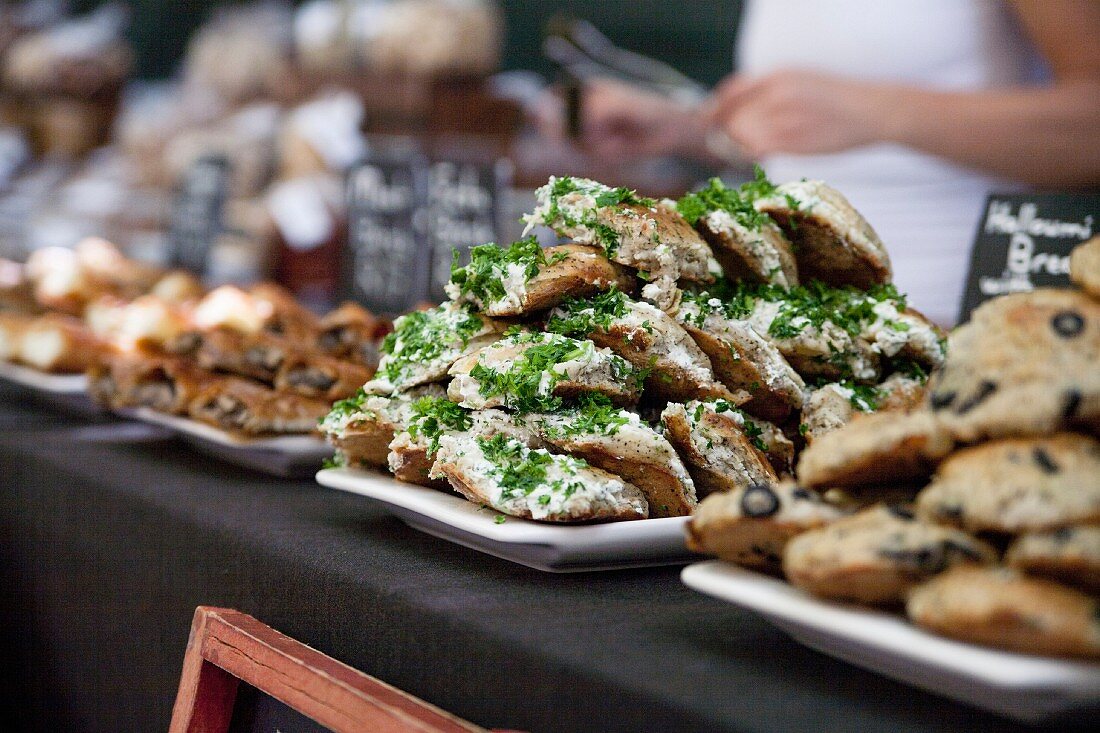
(668, 350)
(978, 508)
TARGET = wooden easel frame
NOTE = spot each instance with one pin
(227, 647)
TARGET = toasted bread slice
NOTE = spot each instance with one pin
(751, 525)
(425, 344)
(762, 255)
(525, 279)
(745, 361)
(649, 236)
(832, 406)
(620, 443)
(876, 449)
(718, 451)
(647, 337)
(533, 371)
(833, 242)
(413, 449)
(504, 474)
(362, 427)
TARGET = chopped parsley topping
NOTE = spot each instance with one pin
(489, 265)
(910, 369)
(345, 408)
(528, 382)
(865, 398)
(559, 218)
(521, 471)
(433, 416)
(420, 337)
(594, 415)
(759, 187)
(717, 197)
(580, 317)
(812, 304)
(339, 460)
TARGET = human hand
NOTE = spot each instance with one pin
(799, 112)
(619, 119)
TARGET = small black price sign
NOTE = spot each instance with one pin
(386, 263)
(464, 209)
(1024, 241)
(196, 219)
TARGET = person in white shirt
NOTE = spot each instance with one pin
(914, 110)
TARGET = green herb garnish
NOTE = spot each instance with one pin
(521, 471)
(433, 416)
(489, 264)
(561, 219)
(527, 384)
(420, 337)
(581, 317)
(715, 196)
(338, 460)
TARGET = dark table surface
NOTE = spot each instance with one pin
(111, 537)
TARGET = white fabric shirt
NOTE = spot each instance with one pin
(926, 209)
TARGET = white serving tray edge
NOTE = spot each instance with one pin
(551, 547)
(1021, 686)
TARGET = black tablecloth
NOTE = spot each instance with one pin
(110, 540)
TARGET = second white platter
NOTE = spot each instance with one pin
(553, 548)
(1029, 688)
(58, 384)
(283, 455)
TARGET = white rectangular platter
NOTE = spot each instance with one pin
(284, 455)
(65, 392)
(550, 547)
(1028, 688)
(58, 384)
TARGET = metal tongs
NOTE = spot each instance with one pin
(584, 53)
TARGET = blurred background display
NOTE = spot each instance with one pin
(223, 135)
(219, 136)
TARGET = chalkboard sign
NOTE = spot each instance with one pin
(196, 219)
(1023, 242)
(406, 217)
(385, 265)
(240, 676)
(464, 209)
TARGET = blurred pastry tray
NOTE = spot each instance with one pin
(282, 455)
(1028, 688)
(554, 548)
